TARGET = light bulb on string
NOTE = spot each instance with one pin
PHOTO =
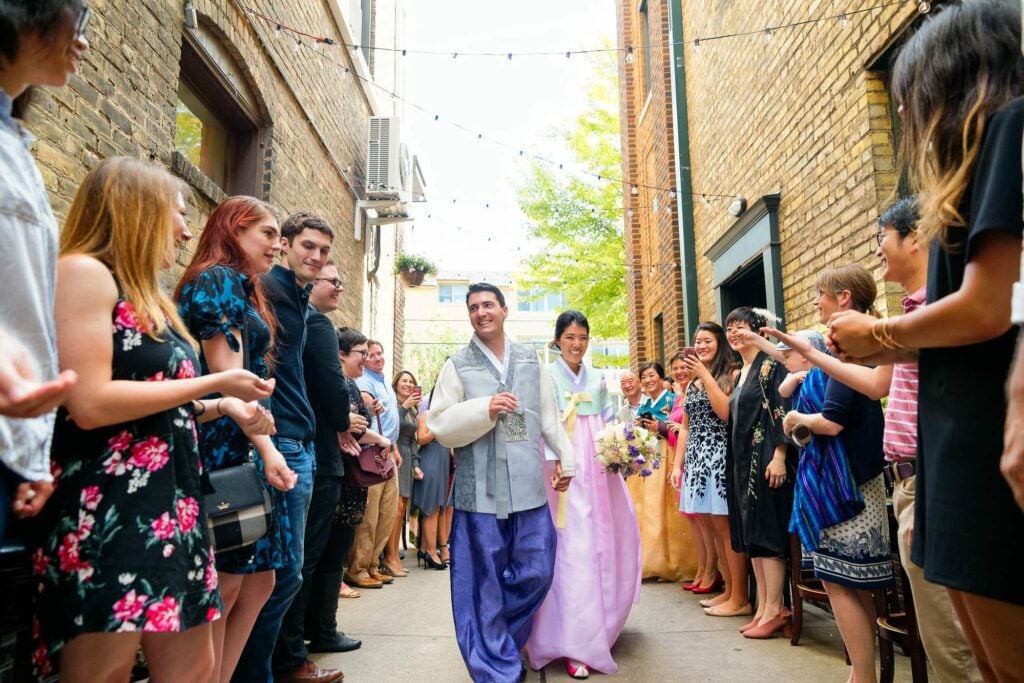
(568, 54)
(454, 55)
(277, 31)
(704, 200)
(629, 55)
(696, 46)
(634, 190)
(297, 46)
(925, 7)
(844, 21)
(671, 194)
(629, 213)
(403, 52)
(767, 35)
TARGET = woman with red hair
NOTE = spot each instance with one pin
(223, 303)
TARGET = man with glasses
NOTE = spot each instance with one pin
(312, 614)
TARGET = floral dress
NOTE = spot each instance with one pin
(703, 489)
(122, 545)
(217, 302)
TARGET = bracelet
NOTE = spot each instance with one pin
(196, 412)
(218, 404)
(882, 332)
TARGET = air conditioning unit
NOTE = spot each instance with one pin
(388, 167)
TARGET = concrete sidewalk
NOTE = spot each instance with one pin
(408, 635)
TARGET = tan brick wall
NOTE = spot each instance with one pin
(123, 103)
(799, 115)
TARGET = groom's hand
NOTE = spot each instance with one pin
(558, 482)
(502, 403)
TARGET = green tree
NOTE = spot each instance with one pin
(578, 219)
(423, 357)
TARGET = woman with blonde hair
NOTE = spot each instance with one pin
(122, 551)
(959, 84)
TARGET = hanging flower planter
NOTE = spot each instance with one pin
(412, 268)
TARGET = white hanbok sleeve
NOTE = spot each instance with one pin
(454, 421)
(555, 437)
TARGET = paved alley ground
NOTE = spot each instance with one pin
(407, 635)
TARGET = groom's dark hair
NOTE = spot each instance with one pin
(476, 287)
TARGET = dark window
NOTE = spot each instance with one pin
(217, 127)
(645, 23)
(659, 337)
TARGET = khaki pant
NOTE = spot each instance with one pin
(937, 622)
(372, 533)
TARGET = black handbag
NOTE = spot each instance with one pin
(239, 511)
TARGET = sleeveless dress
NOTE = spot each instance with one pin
(703, 490)
(665, 535)
(217, 302)
(409, 449)
(122, 545)
(597, 562)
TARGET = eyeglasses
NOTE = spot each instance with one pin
(83, 24)
(334, 282)
(880, 236)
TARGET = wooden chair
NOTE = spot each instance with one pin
(899, 626)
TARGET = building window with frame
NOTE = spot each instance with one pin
(452, 294)
(536, 301)
(645, 24)
(218, 127)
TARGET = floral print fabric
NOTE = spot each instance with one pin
(217, 303)
(123, 545)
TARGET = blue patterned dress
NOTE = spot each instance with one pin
(217, 302)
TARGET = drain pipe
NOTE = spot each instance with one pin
(681, 147)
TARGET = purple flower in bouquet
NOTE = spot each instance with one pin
(627, 429)
(656, 464)
(640, 460)
(645, 472)
(634, 451)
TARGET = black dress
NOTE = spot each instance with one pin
(758, 514)
(969, 532)
(122, 545)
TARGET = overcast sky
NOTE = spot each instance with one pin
(519, 102)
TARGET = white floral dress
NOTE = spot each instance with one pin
(123, 544)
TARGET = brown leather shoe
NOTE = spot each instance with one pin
(310, 673)
(369, 582)
(381, 577)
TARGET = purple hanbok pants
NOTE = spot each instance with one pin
(501, 570)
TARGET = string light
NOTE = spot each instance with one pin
(696, 46)
(844, 21)
(634, 190)
(671, 194)
(923, 7)
(768, 35)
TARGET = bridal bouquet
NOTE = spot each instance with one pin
(626, 449)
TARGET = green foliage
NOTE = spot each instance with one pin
(424, 357)
(578, 220)
(414, 262)
(188, 134)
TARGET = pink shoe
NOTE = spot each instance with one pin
(577, 670)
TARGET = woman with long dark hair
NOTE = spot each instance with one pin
(222, 301)
(699, 470)
(760, 466)
(597, 566)
(959, 83)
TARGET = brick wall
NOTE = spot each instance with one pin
(799, 114)
(123, 102)
(653, 281)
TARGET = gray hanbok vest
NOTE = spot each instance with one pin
(493, 475)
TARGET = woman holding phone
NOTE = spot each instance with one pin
(409, 394)
(665, 535)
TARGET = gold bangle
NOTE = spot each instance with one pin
(877, 335)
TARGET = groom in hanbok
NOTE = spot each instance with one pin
(493, 403)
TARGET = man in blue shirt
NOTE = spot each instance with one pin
(382, 499)
(305, 248)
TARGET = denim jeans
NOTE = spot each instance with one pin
(291, 651)
(254, 665)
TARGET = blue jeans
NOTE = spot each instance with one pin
(254, 665)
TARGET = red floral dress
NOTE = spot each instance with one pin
(122, 545)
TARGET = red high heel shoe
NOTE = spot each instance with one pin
(690, 586)
(716, 586)
(779, 624)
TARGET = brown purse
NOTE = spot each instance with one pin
(375, 465)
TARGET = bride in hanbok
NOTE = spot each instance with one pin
(597, 562)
